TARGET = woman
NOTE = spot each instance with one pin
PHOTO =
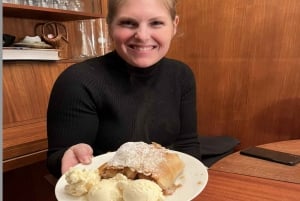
(131, 94)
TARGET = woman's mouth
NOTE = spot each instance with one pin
(142, 48)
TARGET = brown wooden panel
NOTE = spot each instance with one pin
(26, 89)
(246, 58)
(25, 139)
(24, 160)
(21, 28)
(103, 7)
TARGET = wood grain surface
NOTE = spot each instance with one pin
(224, 186)
(245, 165)
(246, 58)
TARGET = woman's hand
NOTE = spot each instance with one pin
(79, 153)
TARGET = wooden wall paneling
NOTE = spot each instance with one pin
(26, 89)
(246, 58)
(104, 4)
(24, 139)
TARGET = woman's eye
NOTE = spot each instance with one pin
(127, 23)
(157, 23)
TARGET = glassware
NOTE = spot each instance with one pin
(92, 39)
(8, 1)
(103, 38)
(47, 3)
(12, 1)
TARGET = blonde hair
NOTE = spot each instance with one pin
(113, 6)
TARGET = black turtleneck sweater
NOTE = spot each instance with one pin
(105, 102)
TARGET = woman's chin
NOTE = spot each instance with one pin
(143, 63)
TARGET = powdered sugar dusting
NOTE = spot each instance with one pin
(140, 156)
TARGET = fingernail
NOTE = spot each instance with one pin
(87, 160)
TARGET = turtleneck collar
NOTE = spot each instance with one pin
(133, 70)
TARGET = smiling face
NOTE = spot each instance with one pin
(142, 31)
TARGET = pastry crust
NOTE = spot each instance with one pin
(138, 160)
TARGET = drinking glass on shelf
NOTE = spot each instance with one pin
(47, 3)
(11, 1)
(63, 4)
(31, 2)
(88, 44)
(92, 39)
(103, 39)
(75, 5)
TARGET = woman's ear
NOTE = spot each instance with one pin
(175, 24)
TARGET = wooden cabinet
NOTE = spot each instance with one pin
(25, 18)
(27, 84)
(26, 89)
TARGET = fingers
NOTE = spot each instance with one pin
(69, 160)
(79, 153)
(83, 153)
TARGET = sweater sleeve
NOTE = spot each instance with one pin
(70, 116)
(187, 141)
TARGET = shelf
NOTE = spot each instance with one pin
(34, 12)
(24, 145)
(29, 62)
(28, 159)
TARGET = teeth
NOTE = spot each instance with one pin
(143, 48)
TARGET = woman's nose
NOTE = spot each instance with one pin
(142, 33)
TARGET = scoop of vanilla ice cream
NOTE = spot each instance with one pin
(141, 190)
(79, 181)
(107, 189)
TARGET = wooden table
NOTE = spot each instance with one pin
(245, 165)
(225, 186)
(241, 178)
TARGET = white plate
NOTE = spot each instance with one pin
(193, 179)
